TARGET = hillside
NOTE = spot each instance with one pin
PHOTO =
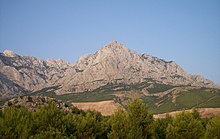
(160, 98)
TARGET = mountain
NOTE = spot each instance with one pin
(113, 65)
(23, 74)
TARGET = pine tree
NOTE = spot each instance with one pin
(213, 128)
(15, 123)
(141, 121)
(161, 125)
(185, 126)
(120, 125)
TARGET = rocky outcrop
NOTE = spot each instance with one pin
(34, 102)
(112, 64)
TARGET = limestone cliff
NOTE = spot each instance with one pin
(112, 64)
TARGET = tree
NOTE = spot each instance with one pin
(69, 125)
(136, 123)
(213, 128)
(161, 126)
(119, 123)
(183, 126)
(141, 121)
(90, 125)
(49, 118)
(15, 123)
(196, 114)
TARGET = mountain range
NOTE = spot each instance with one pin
(113, 65)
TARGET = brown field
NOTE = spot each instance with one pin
(204, 112)
(109, 107)
(105, 107)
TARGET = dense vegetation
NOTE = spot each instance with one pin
(195, 98)
(137, 123)
(159, 88)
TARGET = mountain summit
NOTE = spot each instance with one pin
(9, 53)
(113, 64)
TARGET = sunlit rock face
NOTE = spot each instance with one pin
(112, 64)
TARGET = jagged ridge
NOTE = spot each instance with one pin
(112, 64)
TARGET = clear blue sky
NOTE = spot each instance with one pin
(186, 31)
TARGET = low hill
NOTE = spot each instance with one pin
(160, 98)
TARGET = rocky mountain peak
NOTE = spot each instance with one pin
(113, 43)
(114, 47)
(115, 52)
(114, 63)
(9, 53)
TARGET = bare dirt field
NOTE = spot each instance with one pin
(204, 112)
(109, 107)
(105, 107)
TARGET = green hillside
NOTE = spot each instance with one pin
(159, 97)
(124, 94)
(199, 98)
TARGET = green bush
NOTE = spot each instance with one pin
(51, 122)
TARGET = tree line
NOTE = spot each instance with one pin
(50, 122)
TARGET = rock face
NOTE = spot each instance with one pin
(112, 64)
(22, 74)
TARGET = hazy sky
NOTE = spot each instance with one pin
(186, 31)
